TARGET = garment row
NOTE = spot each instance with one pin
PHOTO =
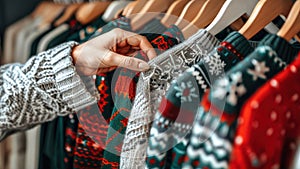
(205, 102)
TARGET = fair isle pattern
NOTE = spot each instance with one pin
(152, 85)
(233, 89)
(208, 142)
(182, 106)
(124, 98)
(45, 87)
(161, 141)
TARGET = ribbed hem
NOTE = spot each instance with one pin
(283, 48)
(78, 92)
(240, 43)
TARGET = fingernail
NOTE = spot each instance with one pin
(143, 66)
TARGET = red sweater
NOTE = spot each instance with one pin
(269, 124)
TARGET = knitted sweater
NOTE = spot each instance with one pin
(43, 88)
(85, 140)
(213, 133)
(174, 119)
(276, 126)
(151, 86)
(125, 90)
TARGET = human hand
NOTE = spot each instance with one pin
(111, 50)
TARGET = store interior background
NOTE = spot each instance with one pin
(13, 10)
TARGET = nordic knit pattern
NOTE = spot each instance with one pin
(45, 87)
(94, 119)
(176, 113)
(213, 133)
(125, 89)
(151, 86)
(268, 128)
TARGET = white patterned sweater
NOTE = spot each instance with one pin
(45, 87)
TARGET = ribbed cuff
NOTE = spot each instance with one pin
(78, 92)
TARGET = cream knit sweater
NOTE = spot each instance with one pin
(43, 88)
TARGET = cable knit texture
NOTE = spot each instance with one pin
(43, 88)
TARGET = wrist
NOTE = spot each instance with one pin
(75, 53)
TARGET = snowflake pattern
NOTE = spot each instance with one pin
(230, 87)
(259, 70)
(186, 91)
(216, 65)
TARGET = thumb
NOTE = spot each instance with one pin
(128, 62)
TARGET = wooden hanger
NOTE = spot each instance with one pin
(204, 17)
(264, 12)
(136, 8)
(292, 24)
(189, 13)
(40, 8)
(144, 16)
(119, 13)
(230, 11)
(90, 11)
(173, 12)
(128, 8)
(112, 9)
(237, 25)
(50, 12)
(71, 9)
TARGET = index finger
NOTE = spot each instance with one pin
(141, 42)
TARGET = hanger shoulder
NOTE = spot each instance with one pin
(292, 24)
(40, 8)
(208, 13)
(189, 13)
(112, 9)
(90, 11)
(204, 17)
(137, 7)
(129, 7)
(71, 9)
(237, 25)
(264, 12)
(230, 12)
(173, 12)
(50, 13)
(152, 9)
(156, 6)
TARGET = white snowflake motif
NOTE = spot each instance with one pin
(216, 65)
(231, 87)
(186, 91)
(259, 70)
(271, 52)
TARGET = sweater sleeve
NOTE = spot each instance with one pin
(45, 87)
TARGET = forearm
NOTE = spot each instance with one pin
(43, 88)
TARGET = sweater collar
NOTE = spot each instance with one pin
(239, 42)
(283, 48)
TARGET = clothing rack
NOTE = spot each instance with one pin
(212, 99)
